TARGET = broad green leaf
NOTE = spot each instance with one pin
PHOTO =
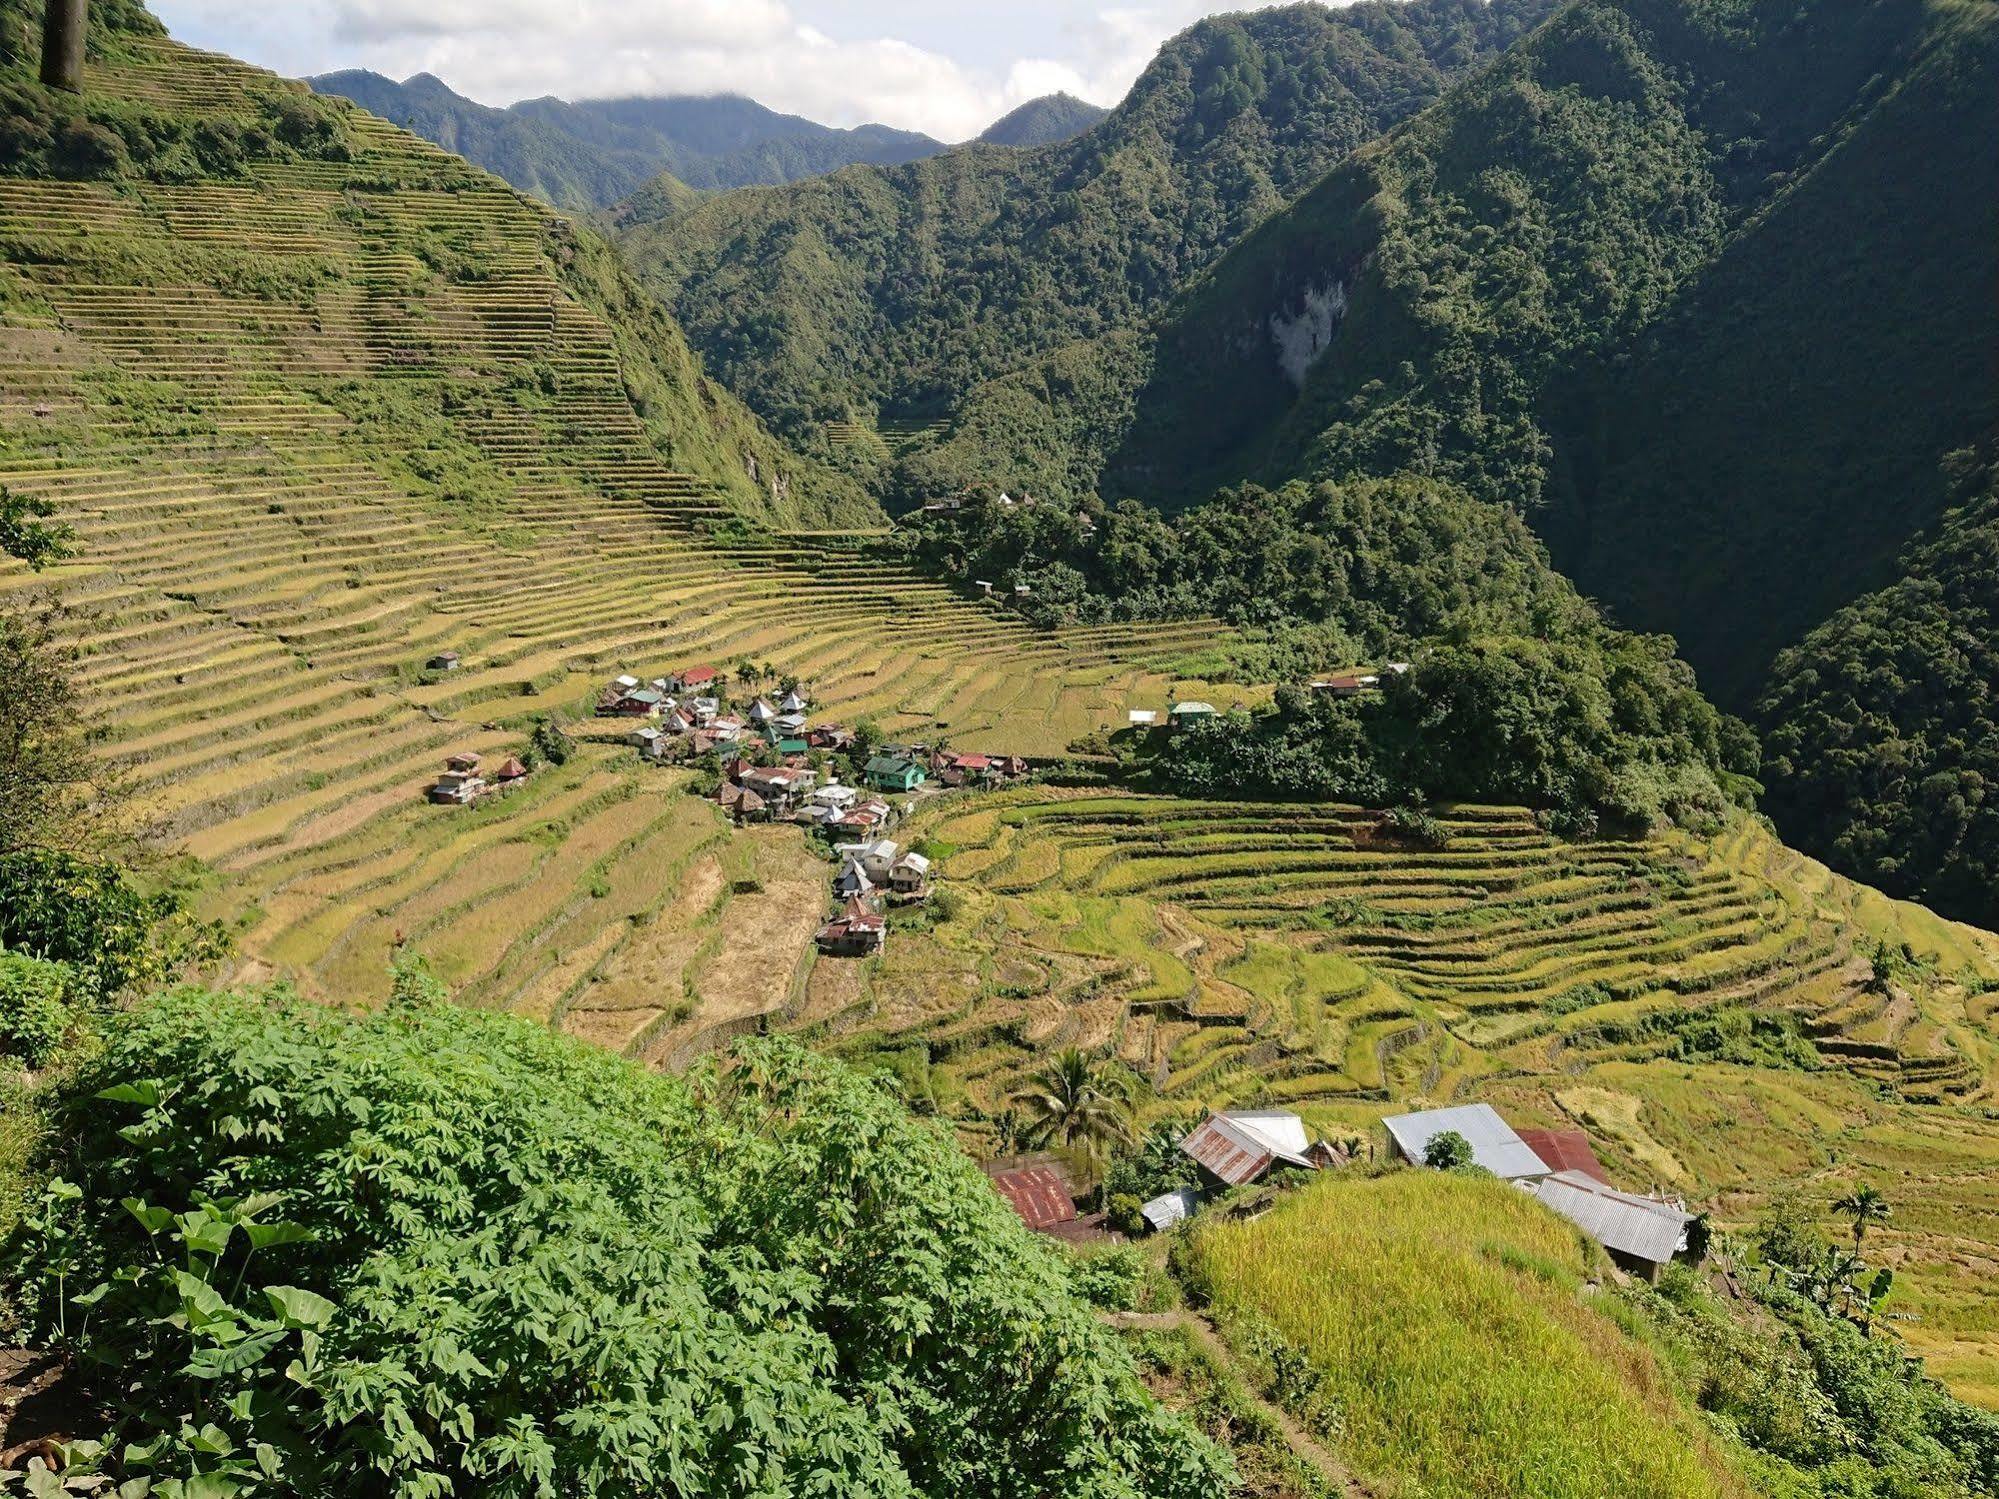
(300, 1308)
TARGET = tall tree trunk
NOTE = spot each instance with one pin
(63, 31)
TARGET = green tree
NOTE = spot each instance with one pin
(1448, 1151)
(1079, 1101)
(27, 533)
(1865, 1206)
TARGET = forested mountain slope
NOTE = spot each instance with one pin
(895, 291)
(594, 152)
(1882, 744)
(1043, 122)
(1693, 304)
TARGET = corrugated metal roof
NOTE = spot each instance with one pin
(1494, 1145)
(1241, 1147)
(1038, 1194)
(1171, 1208)
(1565, 1150)
(1633, 1225)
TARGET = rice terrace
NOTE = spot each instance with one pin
(547, 814)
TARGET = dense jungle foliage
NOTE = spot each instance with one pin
(1882, 725)
(1610, 730)
(897, 290)
(436, 1251)
(1374, 563)
(593, 153)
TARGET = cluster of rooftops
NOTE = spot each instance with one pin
(1193, 710)
(1642, 1233)
(466, 779)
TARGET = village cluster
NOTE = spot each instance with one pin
(778, 766)
(1642, 1234)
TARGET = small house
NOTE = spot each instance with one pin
(1565, 1150)
(1170, 1208)
(789, 723)
(836, 796)
(636, 702)
(909, 876)
(1241, 1146)
(876, 857)
(1143, 718)
(461, 782)
(793, 703)
(690, 680)
(1494, 1145)
(781, 786)
(725, 730)
(676, 722)
(647, 741)
(742, 803)
(1642, 1234)
(894, 773)
(761, 712)
(511, 772)
(736, 767)
(443, 661)
(1038, 1193)
(1183, 714)
(854, 933)
(830, 736)
(852, 882)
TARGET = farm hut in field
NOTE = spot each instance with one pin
(444, 661)
(1142, 718)
(1240, 1147)
(1039, 1193)
(511, 772)
(461, 782)
(1494, 1145)
(1565, 1150)
(1170, 1208)
(1190, 712)
(1642, 1234)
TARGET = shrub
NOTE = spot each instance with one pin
(1110, 1279)
(37, 1007)
(1122, 1212)
(434, 1251)
(1448, 1151)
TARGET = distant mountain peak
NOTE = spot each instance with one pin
(1043, 121)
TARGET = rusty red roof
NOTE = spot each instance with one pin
(1038, 1194)
(1564, 1150)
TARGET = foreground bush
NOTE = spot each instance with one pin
(435, 1251)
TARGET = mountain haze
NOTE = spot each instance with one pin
(592, 153)
(897, 290)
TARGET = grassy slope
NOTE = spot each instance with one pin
(315, 421)
(1243, 955)
(1449, 1322)
(899, 289)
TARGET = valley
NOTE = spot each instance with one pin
(357, 459)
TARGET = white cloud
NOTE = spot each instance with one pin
(839, 61)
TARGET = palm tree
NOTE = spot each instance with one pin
(1863, 1205)
(1078, 1101)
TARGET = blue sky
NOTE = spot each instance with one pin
(943, 66)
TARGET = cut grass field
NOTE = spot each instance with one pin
(1453, 1348)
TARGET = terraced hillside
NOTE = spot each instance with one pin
(316, 423)
(1662, 992)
